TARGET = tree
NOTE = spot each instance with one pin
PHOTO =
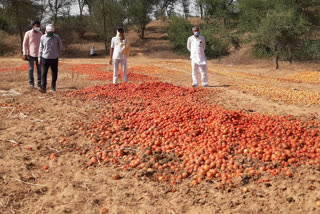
(165, 8)
(281, 30)
(43, 6)
(140, 11)
(19, 15)
(59, 7)
(185, 6)
(107, 16)
(279, 26)
(82, 4)
(221, 9)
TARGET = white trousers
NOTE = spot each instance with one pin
(203, 72)
(116, 63)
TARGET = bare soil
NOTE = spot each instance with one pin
(34, 126)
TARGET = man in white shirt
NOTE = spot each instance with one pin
(196, 45)
(119, 51)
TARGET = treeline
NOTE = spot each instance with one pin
(284, 29)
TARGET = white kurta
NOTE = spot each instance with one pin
(196, 46)
(118, 59)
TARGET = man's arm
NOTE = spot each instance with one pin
(60, 46)
(25, 46)
(189, 44)
(111, 51)
(40, 50)
(204, 43)
(111, 54)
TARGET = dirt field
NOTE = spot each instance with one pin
(44, 169)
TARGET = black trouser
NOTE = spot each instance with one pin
(45, 64)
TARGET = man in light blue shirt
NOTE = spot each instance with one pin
(50, 46)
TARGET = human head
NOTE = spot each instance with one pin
(36, 26)
(49, 28)
(194, 30)
(120, 32)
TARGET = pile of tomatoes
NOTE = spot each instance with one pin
(171, 133)
(97, 72)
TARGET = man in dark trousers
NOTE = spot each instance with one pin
(50, 47)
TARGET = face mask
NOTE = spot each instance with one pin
(37, 29)
(197, 33)
(50, 34)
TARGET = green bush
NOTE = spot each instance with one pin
(179, 29)
(309, 50)
(262, 51)
(218, 40)
(71, 29)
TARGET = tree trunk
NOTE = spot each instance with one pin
(104, 28)
(201, 11)
(290, 55)
(106, 46)
(16, 7)
(143, 27)
(277, 60)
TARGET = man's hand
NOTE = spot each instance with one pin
(24, 57)
(110, 61)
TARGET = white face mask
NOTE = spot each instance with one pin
(37, 29)
(197, 33)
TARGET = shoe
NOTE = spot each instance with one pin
(42, 91)
(31, 86)
(194, 85)
(206, 85)
(53, 90)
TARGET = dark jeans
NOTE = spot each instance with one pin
(45, 64)
(31, 61)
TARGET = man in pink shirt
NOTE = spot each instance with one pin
(31, 43)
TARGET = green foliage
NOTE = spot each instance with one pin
(220, 9)
(179, 29)
(218, 40)
(139, 13)
(251, 13)
(281, 29)
(310, 50)
(71, 28)
(262, 51)
(18, 15)
(278, 27)
(106, 18)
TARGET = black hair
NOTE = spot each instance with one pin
(35, 23)
(120, 30)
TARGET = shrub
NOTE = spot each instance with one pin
(179, 29)
(309, 50)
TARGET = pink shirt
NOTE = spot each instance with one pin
(31, 43)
